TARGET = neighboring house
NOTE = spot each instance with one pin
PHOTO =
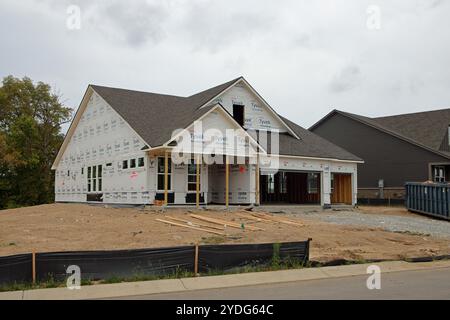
(122, 148)
(397, 149)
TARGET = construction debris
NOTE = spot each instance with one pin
(194, 224)
(225, 223)
(277, 219)
(191, 227)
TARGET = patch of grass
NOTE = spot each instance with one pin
(213, 240)
(9, 244)
(413, 233)
(274, 264)
(179, 273)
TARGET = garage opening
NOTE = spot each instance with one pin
(289, 187)
(341, 188)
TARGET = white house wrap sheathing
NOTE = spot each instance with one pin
(102, 137)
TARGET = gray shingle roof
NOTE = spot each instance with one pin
(428, 128)
(425, 129)
(311, 145)
(155, 116)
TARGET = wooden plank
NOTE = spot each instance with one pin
(257, 191)
(225, 223)
(33, 266)
(197, 182)
(190, 227)
(278, 219)
(196, 260)
(166, 177)
(195, 224)
(249, 216)
(227, 182)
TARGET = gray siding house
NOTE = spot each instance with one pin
(396, 149)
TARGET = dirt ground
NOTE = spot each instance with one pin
(67, 227)
(394, 211)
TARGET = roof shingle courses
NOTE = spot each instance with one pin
(426, 129)
(311, 145)
(155, 117)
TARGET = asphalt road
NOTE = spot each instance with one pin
(422, 284)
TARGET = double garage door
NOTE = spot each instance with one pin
(303, 188)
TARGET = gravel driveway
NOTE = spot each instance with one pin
(397, 223)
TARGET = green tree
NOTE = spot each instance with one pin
(31, 116)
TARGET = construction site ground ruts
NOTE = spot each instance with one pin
(70, 227)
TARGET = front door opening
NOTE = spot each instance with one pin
(341, 188)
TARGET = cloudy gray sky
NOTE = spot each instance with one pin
(305, 57)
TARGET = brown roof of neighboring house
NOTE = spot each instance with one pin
(425, 129)
(155, 116)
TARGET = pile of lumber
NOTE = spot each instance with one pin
(268, 218)
(192, 225)
(218, 226)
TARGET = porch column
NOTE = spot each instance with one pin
(257, 198)
(166, 178)
(197, 195)
(326, 187)
(227, 182)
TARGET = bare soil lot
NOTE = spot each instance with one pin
(68, 227)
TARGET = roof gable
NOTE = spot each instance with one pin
(244, 83)
(217, 121)
(423, 129)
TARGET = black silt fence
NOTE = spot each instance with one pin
(97, 265)
(123, 264)
(231, 256)
(16, 269)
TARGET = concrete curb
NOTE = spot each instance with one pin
(130, 289)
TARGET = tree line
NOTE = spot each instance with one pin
(31, 115)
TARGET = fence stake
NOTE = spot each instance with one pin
(33, 264)
(196, 261)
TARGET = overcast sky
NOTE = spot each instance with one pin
(304, 57)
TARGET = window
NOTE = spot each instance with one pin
(439, 174)
(68, 173)
(313, 182)
(238, 113)
(332, 183)
(160, 173)
(132, 163)
(140, 162)
(82, 170)
(95, 178)
(99, 177)
(124, 164)
(448, 135)
(192, 176)
(89, 178)
(271, 183)
(283, 182)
